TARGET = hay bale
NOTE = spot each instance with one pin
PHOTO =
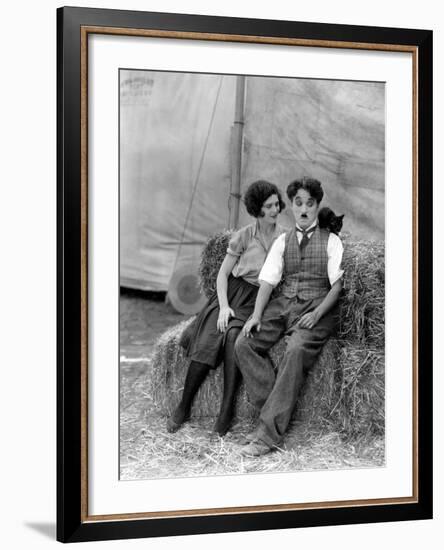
(360, 390)
(211, 259)
(362, 305)
(344, 391)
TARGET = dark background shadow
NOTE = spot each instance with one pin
(46, 529)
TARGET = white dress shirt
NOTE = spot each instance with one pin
(272, 269)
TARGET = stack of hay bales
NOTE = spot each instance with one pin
(344, 391)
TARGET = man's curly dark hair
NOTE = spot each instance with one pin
(312, 186)
(257, 193)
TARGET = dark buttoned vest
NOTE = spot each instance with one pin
(305, 275)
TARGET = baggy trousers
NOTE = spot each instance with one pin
(275, 394)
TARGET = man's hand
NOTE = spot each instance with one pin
(224, 316)
(309, 320)
(251, 326)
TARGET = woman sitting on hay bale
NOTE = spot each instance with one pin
(210, 338)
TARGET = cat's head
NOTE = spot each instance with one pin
(336, 223)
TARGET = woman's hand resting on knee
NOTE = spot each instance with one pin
(224, 316)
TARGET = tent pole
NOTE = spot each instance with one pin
(238, 131)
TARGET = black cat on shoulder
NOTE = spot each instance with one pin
(328, 220)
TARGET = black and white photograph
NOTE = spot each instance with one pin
(251, 274)
(182, 178)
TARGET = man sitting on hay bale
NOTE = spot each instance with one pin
(308, 259)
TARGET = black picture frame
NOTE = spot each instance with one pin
(73, 522)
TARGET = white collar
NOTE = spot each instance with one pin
(313, 225)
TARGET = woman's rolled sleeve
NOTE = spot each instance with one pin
(236, 246)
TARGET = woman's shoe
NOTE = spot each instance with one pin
(222, 425)
(176, 420)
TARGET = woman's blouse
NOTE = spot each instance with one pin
(248, 246)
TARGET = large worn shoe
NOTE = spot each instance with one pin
(256, 448)
(246, 439)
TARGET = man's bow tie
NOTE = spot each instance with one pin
(305, 239)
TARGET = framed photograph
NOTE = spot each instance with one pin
(244, 274)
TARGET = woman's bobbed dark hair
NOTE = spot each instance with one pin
(257, 193)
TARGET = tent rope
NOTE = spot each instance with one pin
(196, 181)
